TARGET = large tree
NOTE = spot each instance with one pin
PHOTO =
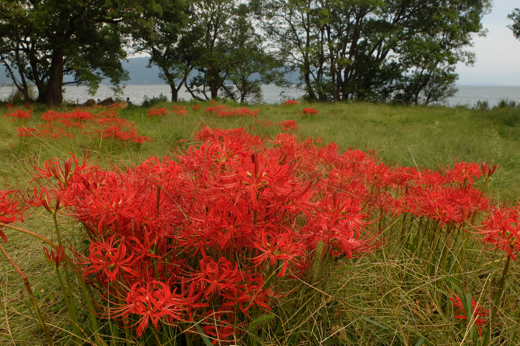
(41, 41)
(373, 49)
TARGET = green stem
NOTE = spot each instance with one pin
(70, 302)
(496, 305)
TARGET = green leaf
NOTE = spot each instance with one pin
(374, 322)
(203, 336)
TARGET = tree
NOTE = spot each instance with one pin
(368, 49)
(169, 41)
(515, 27)
(44, 40)
(251, 65)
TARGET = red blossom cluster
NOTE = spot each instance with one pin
(478, 312)
(9, 105)
(180, 110)
(19, 114)
(197, 237)
(287, 125)
(10, 210)
(291, 102)
(310, 111)
(224, 111)
(106, 124)
(195, 107)
(156, 111)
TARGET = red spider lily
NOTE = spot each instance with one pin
(53, 168)
(501, 229)
(44, 199)
(154, 300)
(238, 112)
(108, 260)
(287, 125)
(156, 111)
(479, 313)
(20, 114)
(55, 257)
(291, 102)
(106, 124)
(310, 111)
(215, 109)
(10, 211)
(217, 278)
(27, 132)
(179, 110)
(195, 107)
(487, 169)
(220, 327)
(9, 105)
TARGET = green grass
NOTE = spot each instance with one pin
(383, 298)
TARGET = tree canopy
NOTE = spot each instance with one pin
(43, 40)
(377, 50)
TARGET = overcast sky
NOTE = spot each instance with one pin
(498, 54)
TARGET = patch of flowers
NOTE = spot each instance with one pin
(154, 111)
(310, 111)
(287, 125)
(225, 111)
(212, 235)
(291, 102)
(106, 124)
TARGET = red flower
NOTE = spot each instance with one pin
(152, 301)
(288, 125)
(110, 259)
(310, 111)
(291, 102)
(55, 257)
(478, 312)
(9, 210)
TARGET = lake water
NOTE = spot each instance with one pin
(467, 95)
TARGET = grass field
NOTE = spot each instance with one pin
(386, 297)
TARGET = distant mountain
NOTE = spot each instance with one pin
(139, 74)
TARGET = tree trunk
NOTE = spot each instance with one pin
(55, 85)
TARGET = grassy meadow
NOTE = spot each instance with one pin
(384, 297)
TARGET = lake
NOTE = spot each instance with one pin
(467, 95)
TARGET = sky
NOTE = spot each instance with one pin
(498, 54)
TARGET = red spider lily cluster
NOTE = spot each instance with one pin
(9, 105)
(310, 111)
(156, 111)
(10, 210)
(180, 110)
(19, 114)
(224, 111)
(200, 238)
(195, 107)
(479, 313)
(207, 235)
(291, 102)
(287, 125)
(106, 124)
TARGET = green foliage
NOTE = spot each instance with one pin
(374, 50)
(153, 101)
(43, 41)
(515, 27)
